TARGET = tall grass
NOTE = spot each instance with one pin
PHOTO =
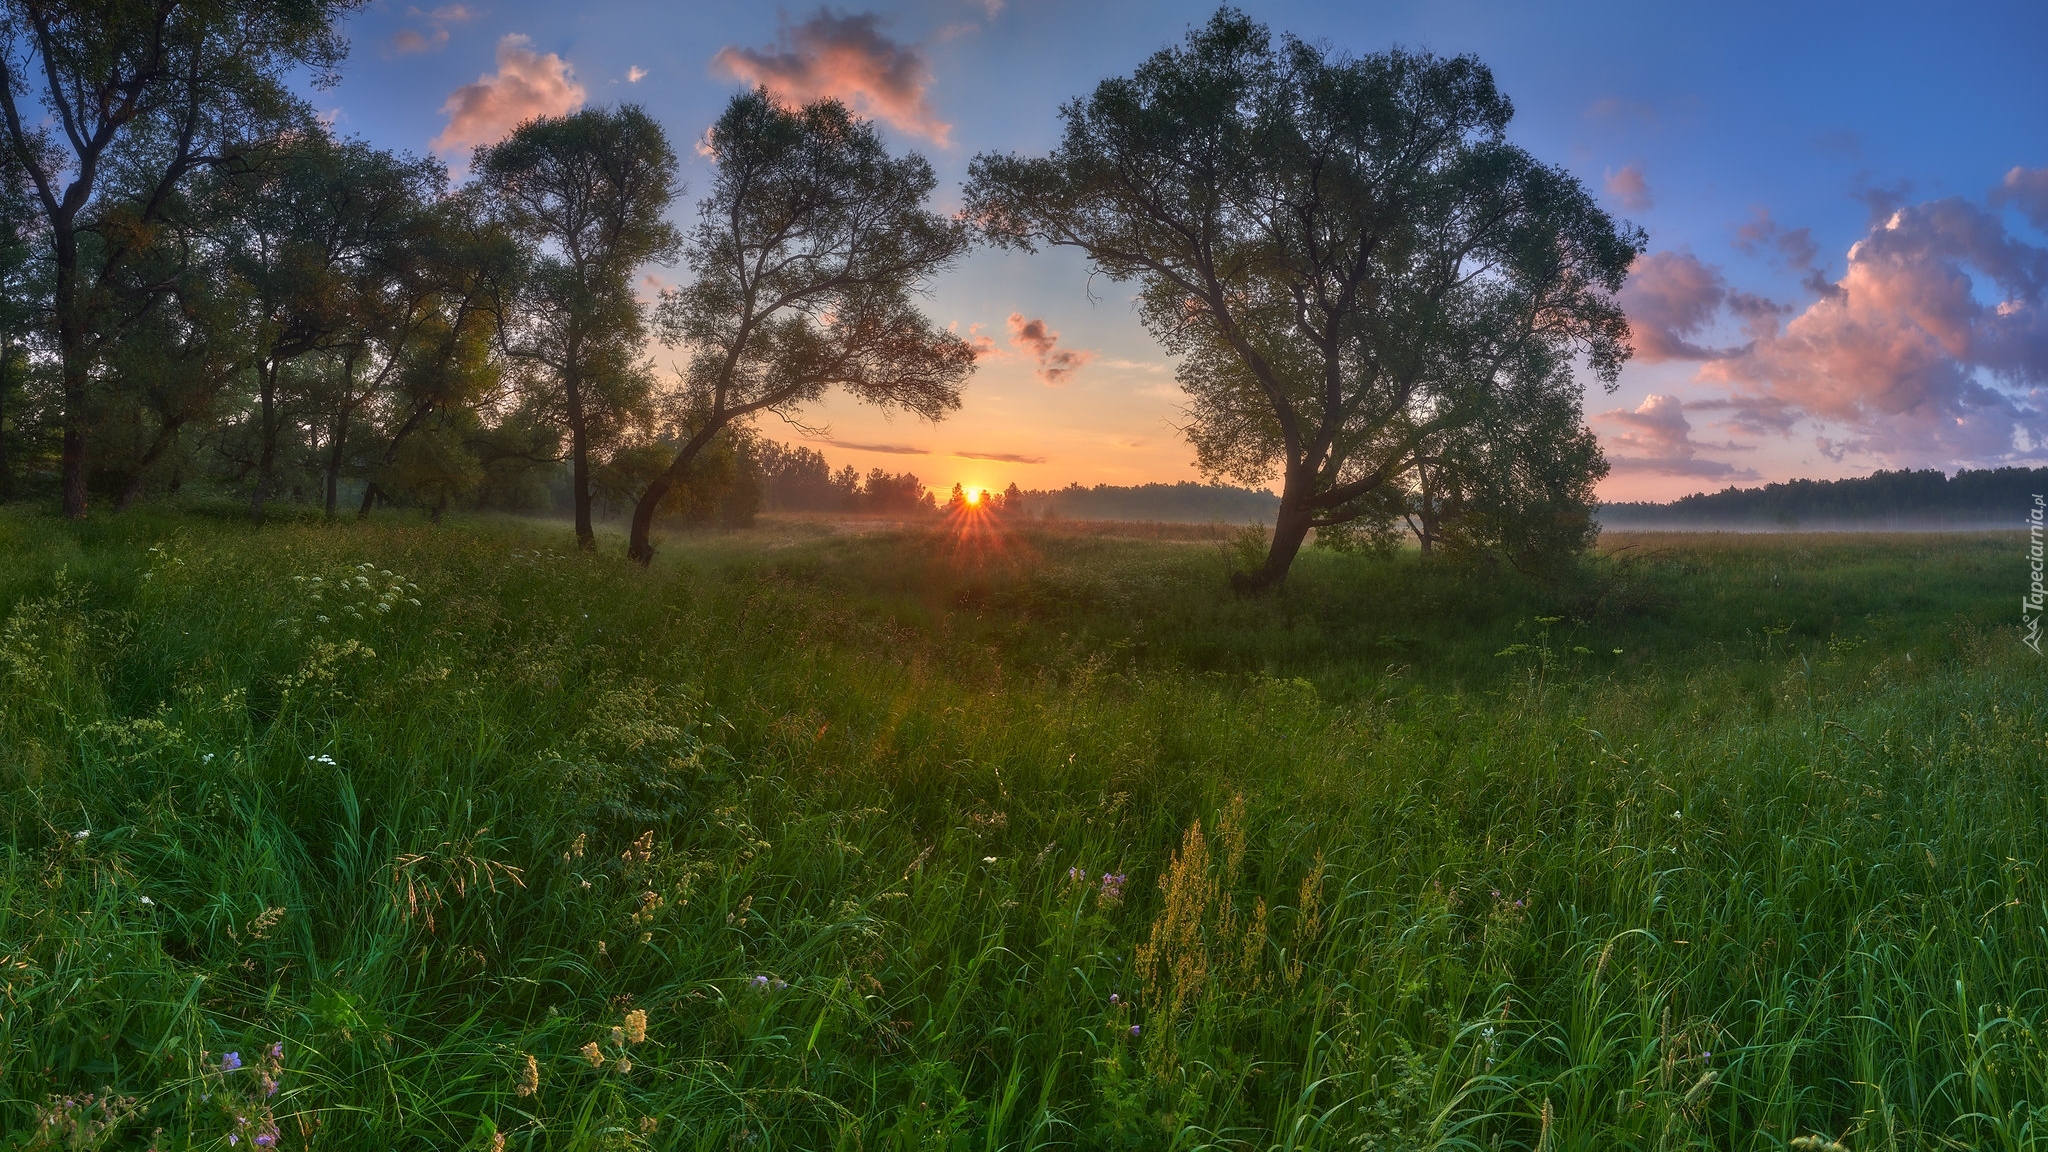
(457, 838)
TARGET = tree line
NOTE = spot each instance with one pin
(1905, 498)
(1376, 299)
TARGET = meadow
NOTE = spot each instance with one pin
(402, 836)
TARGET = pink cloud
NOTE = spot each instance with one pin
(1932, 349)
(1670, 297)
(1629, 186)
(410, 40)
(845, 57)
(2027, 190)
(1656, 438)
(1036, 338)
(526, 85)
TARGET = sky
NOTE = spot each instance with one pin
(1846, 204)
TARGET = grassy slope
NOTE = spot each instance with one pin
(1768, 871)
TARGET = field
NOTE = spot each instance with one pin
(393, 836)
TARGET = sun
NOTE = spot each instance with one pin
(974, 495)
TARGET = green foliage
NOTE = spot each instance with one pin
(891, 842)
(1360, 275)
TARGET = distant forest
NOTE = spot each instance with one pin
(1906, 499)
(797, 479)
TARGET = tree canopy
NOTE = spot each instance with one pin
(1367, 284)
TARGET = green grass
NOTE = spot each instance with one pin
(1723, 842)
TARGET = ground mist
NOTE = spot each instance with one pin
(401, 836)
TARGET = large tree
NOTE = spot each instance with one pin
(589, 191)
(805, 258)
(155, 89)
(1358, 270)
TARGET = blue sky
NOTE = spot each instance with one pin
(1759, 145)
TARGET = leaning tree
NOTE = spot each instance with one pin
(806, 258)
(1365, 281)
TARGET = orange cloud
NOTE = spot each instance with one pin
(526, 85)
(845, 57)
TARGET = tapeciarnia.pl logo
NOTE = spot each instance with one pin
(2031, 603)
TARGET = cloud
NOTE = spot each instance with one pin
(2027, 190)
(1035, 338)
(526, 85)
(1794, 248)
(844, 56)
(1670, 297)
(1660, 438)
(886, 449)
(407, 41)
(1614, 107)
(635, 74)
(1631, 189)
(1001, 457)
(1931, 349)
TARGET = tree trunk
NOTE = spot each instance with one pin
(369, 495)
(334, 460)
(266, 449)
(71, 352)
(133, 492)
(1290, 528)
(6, 472)
(639, 548)
(579, 464)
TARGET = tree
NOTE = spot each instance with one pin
(589, 191)
(805, 258)
(1354, 264)
(313, 227)
(454, 275)
(155, 89)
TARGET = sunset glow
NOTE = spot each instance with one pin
(1826, 289)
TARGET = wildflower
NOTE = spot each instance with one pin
(529, 1077)
(1077, 875)
(988, 859)
(146, 901)
(230, 1061)
(277, 1050)
(206, 758)
(497, 1142)
(1113, 888)
(1115, 999)
(80, 835)
(618, 1036)
(636, 1025)
(625, 1064)
(1134, 1031)
(760, 983)
(592, 1053)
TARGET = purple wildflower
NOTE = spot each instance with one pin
(277, 1050)
(1114, 999)
(1077, 875)
(1113, 887)
(230, 1061)
(761, 983)
(1134, 1030)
